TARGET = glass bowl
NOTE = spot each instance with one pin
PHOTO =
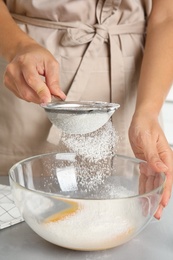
(86, 205)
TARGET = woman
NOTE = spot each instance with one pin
(89, 50)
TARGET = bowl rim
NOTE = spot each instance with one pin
(134, 159)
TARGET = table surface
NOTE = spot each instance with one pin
(155, 242)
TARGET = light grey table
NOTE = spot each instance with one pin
(155, 242)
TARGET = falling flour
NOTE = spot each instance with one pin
(93, 146)
(93, 152)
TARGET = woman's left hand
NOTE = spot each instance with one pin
(149, 143)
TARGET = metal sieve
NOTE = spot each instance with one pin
(75, 117)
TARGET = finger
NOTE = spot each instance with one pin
(149, 148)
(8, 82)
(154, 160)
(167, 157)
(8, 79)
(13, 89)
(149, 179)
(159, 211)
(167, 190)
(150, 183)
(35, 82)
(18, 86)
(24, 90)
(158, 154)
(142, 183)
(158, 181)
(145, 206)
(52, 80)
(161, 167)
(27, 94)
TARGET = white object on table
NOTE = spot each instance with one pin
(9, 213)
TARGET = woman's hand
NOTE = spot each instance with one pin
(23, 75)
(149, 143)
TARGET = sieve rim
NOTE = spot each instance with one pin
(80, 106)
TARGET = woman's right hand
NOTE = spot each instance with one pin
(23, 75)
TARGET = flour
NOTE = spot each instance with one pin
(93, 154)
(79, 123)
(94, 146)
(93, 224)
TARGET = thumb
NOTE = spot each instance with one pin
(156, 163)
(153, 158)
(52, 81)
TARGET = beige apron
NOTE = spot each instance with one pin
(98, 45)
